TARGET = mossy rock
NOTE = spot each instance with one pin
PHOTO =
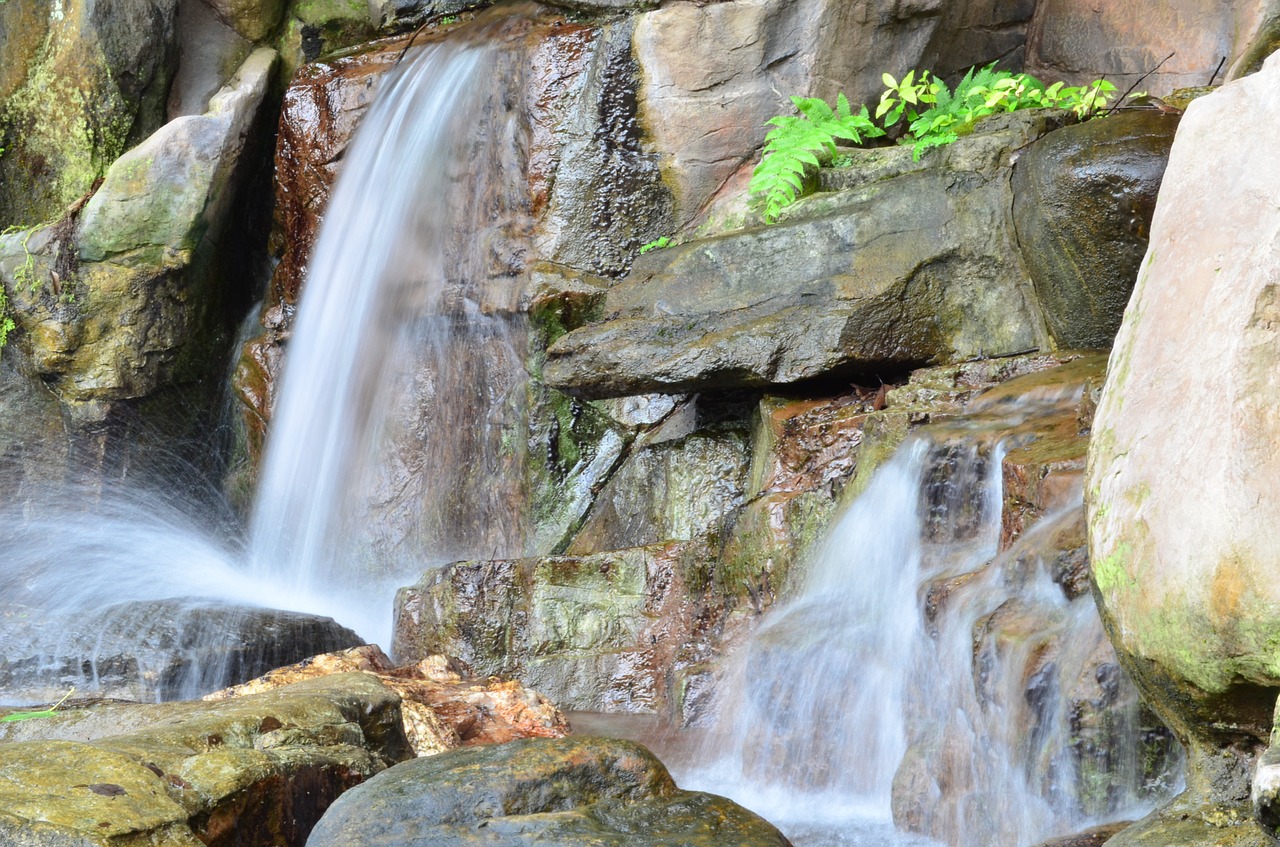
(572, 792)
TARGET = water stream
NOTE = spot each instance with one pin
(924, 677)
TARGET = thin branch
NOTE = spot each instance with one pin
(1136, 82)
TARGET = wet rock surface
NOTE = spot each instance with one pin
(259, 770)
(442, 704)
(153, 650)
(1083, 201)
(569, 792)
(595, 632)
(1183, 552)
(897, 273)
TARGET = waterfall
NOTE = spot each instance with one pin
(925, 678)
(408, 328)
(388, 316)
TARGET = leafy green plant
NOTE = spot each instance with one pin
(934, 115)
(6, 322)
(938, 116)
(795, 142)
(43, 713)
(656, 244)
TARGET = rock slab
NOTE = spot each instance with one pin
(921, 267)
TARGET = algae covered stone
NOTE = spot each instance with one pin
(573, 792)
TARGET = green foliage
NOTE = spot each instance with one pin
(937, 115)
(43, 713)
(656, 244)
(6, 322)
(934, 115)
(795, 142)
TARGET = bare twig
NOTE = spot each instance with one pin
(1136, 82)
(1218, 69)
(416, 33)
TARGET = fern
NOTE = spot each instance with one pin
(794, 144)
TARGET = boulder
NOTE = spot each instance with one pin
(597, 633)
(443, 707)
(121, 296)
(154, 650)
(94, 83)
(1083, 201)
(252, 20)
(572, 792)
(1181, 506)
(917, 268)
(253, 772)
(1120, 40)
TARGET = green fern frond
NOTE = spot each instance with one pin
(795, 143)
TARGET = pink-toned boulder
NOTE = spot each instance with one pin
(1183, 501)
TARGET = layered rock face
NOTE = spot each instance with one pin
(1179, 43)
(1184, 549)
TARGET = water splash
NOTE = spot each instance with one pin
(925, 680)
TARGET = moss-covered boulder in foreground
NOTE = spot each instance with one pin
(257, 770)
(573, 792)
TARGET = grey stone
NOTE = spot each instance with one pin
(1083, 201)
(903, 271)
(154, 650)
(1122, 40)
(167, 192)
(1181, 506)
(573, 792)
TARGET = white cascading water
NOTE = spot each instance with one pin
(374, 317)
(378, 274)
(883, 678)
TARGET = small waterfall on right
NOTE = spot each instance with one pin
(936, 680)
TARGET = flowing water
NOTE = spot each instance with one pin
(396, 315)
(924, 677)
(408, 327)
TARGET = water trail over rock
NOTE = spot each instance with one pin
(397, 330)
(927, 679)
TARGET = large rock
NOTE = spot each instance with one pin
(571, 792)
(153, 650)
(1121, 40)
(96, 81)
(122, 296)
(597, 633)
(258, 770)
(920, 267)
(1083, 201)
(1181, 506)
